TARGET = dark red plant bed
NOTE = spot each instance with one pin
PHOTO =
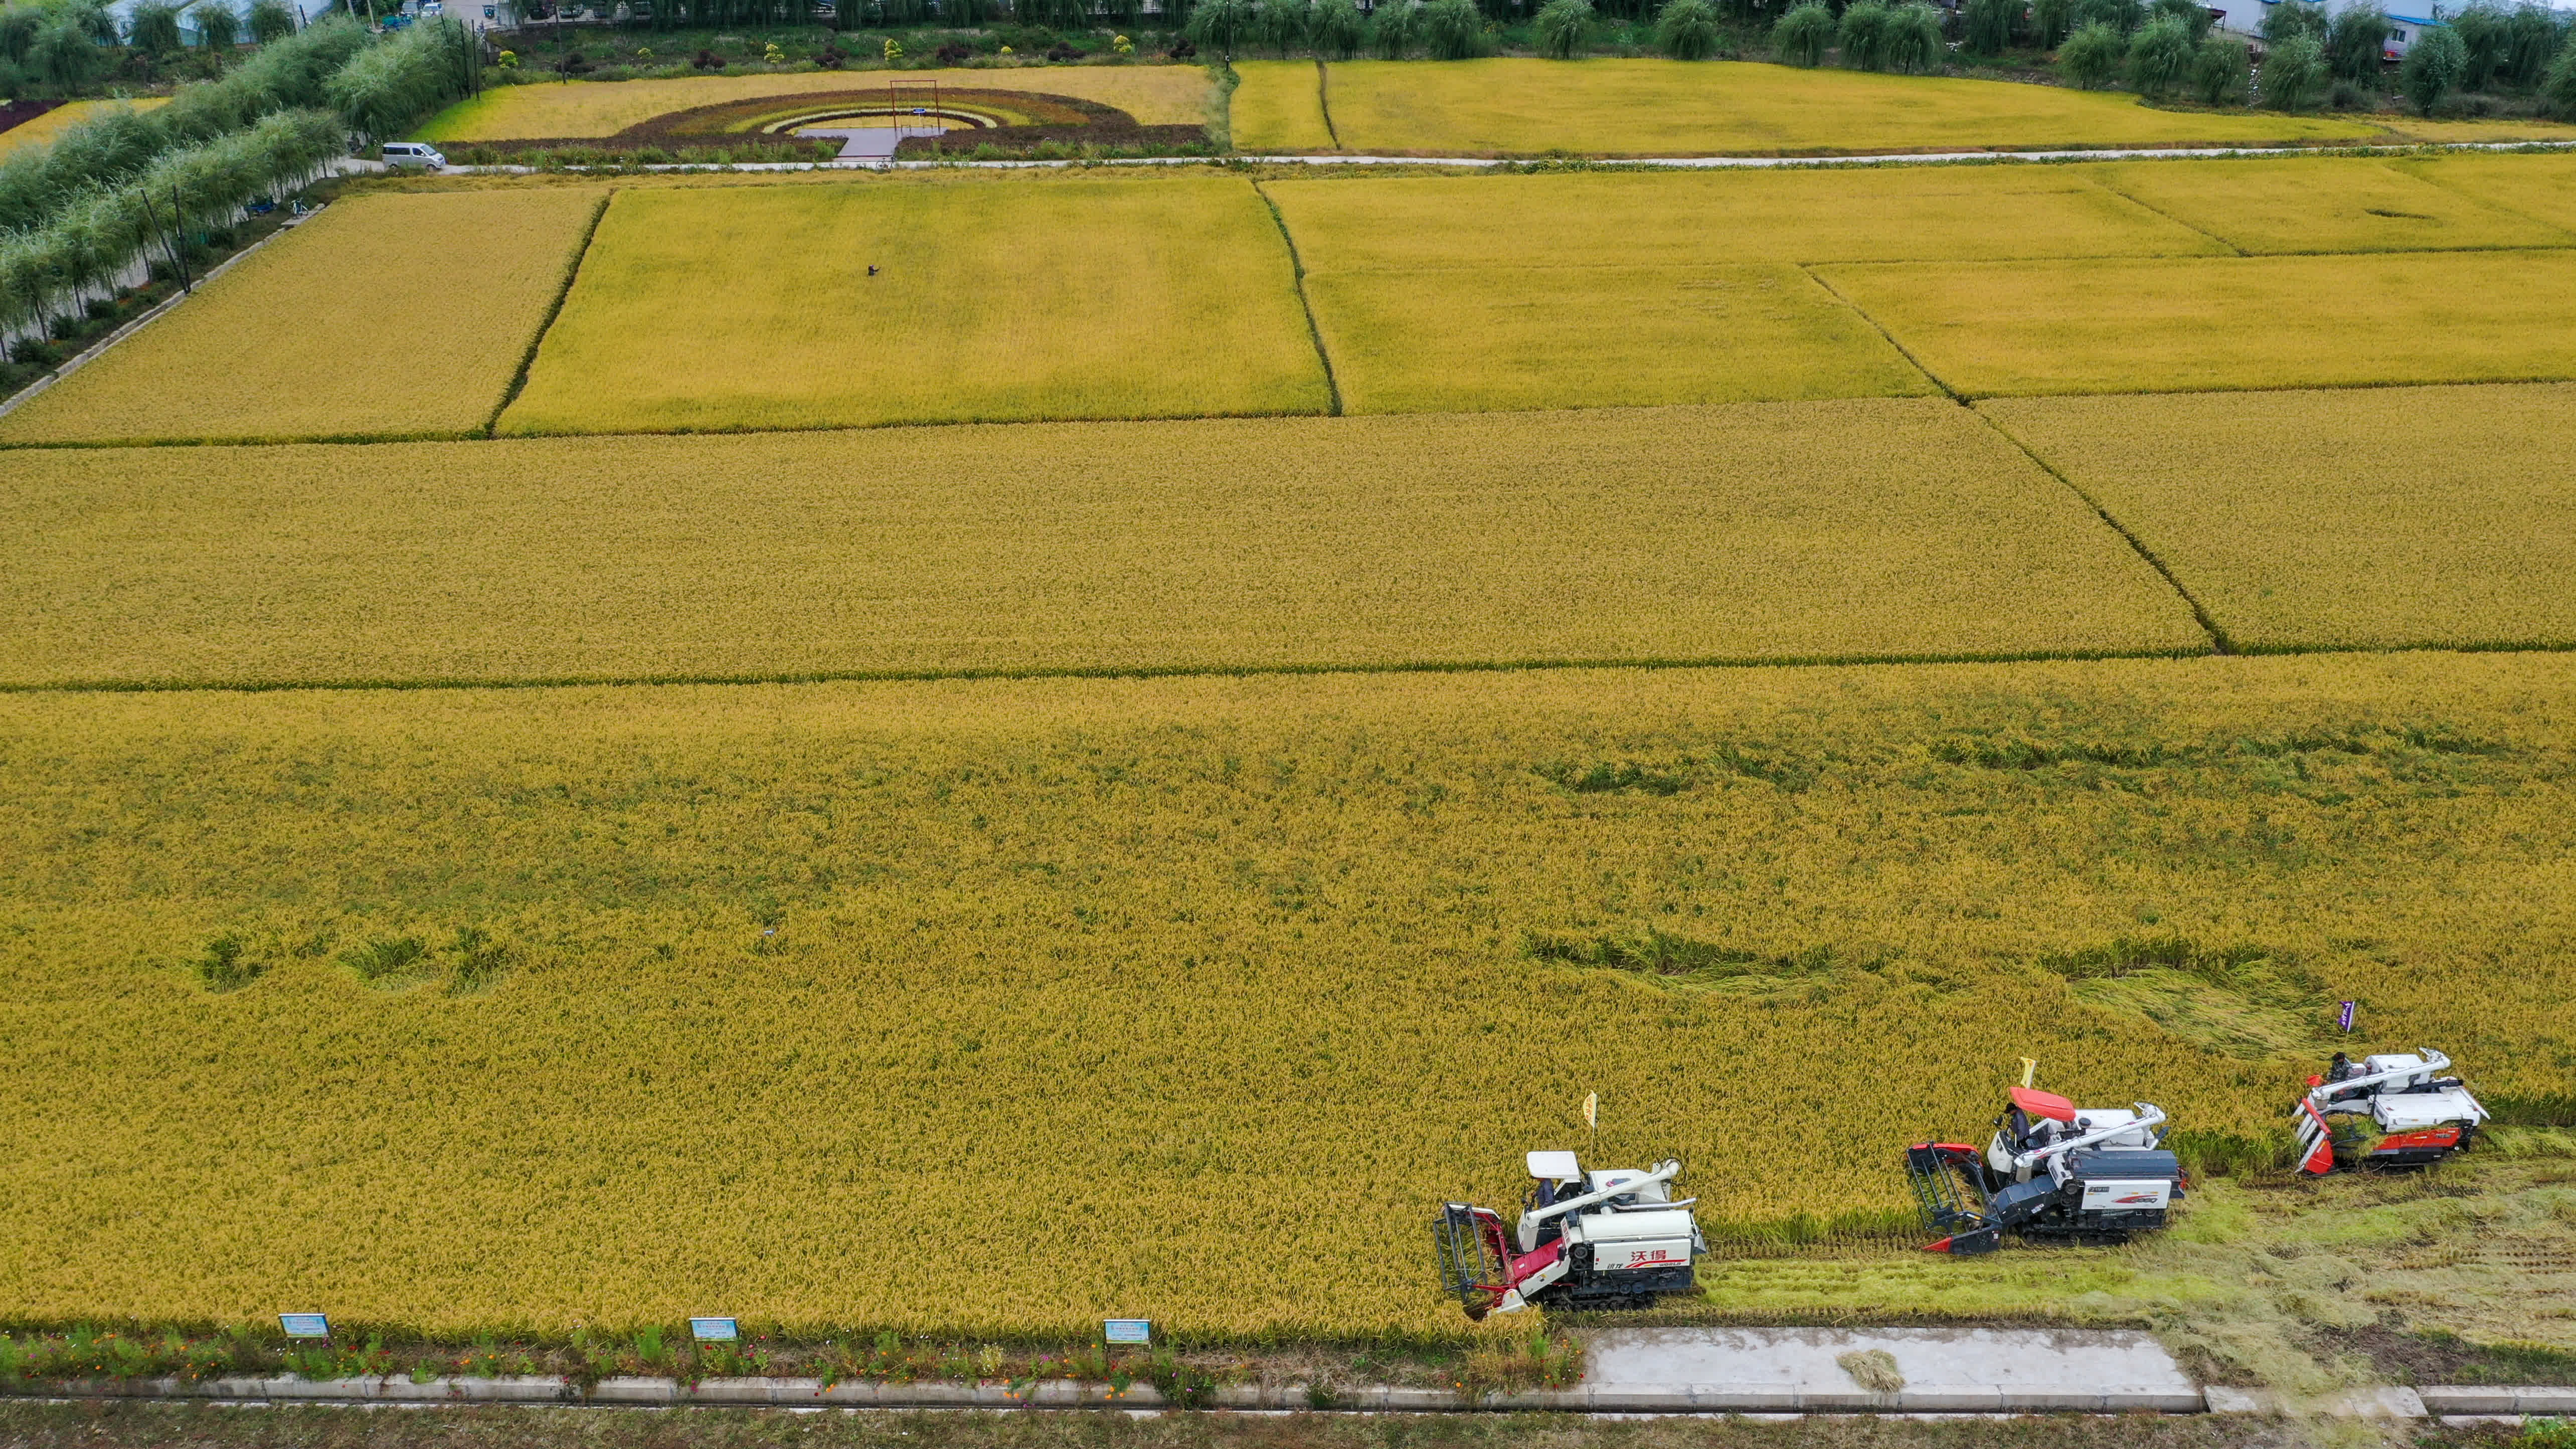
(14, 114)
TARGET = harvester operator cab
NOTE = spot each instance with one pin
(2031, 1120)
(2036, 1120)
(1553, 1176)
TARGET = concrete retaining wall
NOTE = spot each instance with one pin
(1059, 1394)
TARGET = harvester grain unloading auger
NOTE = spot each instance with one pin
(2051, 1173)
(2387, 1111)
(1604, 1239)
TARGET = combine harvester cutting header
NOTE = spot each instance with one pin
(1608, 1239)
(2384, 1111)
(2051, 1174)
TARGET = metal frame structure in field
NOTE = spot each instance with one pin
(903, 99)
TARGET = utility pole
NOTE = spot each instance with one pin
(179, 225)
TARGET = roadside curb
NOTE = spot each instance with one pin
(1058, 1394)
(2434, 1401)
(1678, 163)
(2490, 1401)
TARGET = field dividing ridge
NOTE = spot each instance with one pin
(2223, 323)
(1889, 337)
(2314, 205)
(2218, 639)
(2541, 187)
(2303, 520)
(1860, 529)
(537, 339)
(1304, 301)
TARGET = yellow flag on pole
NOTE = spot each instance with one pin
(1592, 1110)
(2029, 1070)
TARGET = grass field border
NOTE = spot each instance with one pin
(572, 274)
(1306, 303)
(2218, 636)
(1254, 671)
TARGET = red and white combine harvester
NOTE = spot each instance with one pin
(2050, 1174)
(1610, 1239)
(2384, 1111)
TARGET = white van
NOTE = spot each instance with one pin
(401, 154)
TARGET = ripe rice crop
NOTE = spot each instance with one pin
(1855, 529)
(416, 353)
(2039, 328)
(2324, 204)
(1632, 219)
(1283, 117)
(2524, 128)
(43, 130)
(1664, 107)
(2542, 187)
(755, 308)
(2305, 520)
(1502, 337)
(992, 1008)
(1156, 95)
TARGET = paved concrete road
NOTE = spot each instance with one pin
(1940, 1366)
(868, 143)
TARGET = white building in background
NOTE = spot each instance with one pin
(2246, 16)
(2407, 19)
(477, 14)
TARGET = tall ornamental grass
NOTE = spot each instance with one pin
(1687, 30)
(288, 74)
(2434, 67)
(1802, 36)
(1863, 35)
(2092, 56)
(1562, 26)
(2160, 56)
(1453, 30)
(2294, 73)
(388, 86)
(51, 270)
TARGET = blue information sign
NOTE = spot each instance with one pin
(1127, 1330)
(305, 1325)
(713, 1330)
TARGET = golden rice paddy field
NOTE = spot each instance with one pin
(755, 307)
(1834, 530)
(461, 1009)
(1678, 108)
(2371, 518)
(706, 306)
(1156, 95)
(1119, 994)
(2329, 204)
(1496, 338)
(1601, 219)
(416, 354)
(1282, 117)
(2527, 128)
(2542, 187)
(2219, 323)
(43, 130)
